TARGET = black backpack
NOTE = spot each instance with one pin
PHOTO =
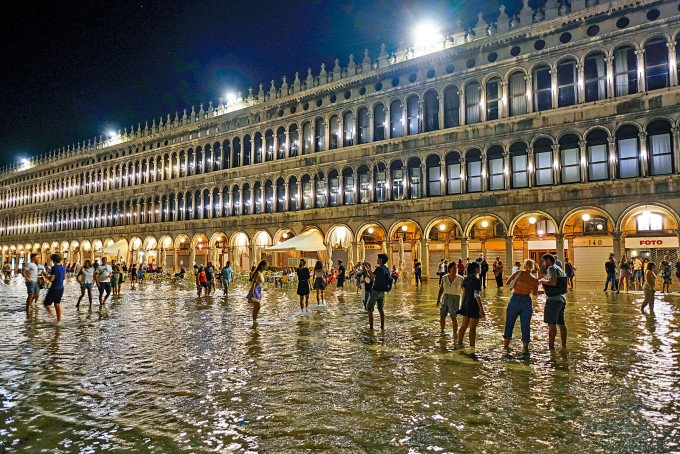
(384, 286)
(558, 289)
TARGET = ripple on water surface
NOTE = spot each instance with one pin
(159, 370)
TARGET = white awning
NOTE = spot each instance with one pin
(309, 241)
(119, 249)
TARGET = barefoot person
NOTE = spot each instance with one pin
(666, 274)
(450, 288)
(471, 307)
(382, 282)
(85, 277)
(319, 282)
(30, 272)
(341, 275)
(103, 278)
(555, 286)
(225, 274)
(524, 285)
(56, 291)
(304, 277)
(201, 281)
(255, 293)
(649, 288)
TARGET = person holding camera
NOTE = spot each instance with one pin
(382, 283)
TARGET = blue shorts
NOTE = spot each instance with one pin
(33, 287)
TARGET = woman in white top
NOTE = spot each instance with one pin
(255, 293)
(85, 277)
(451, 286)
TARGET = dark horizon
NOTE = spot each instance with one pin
(77, 71)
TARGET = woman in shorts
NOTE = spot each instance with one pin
(85, 278)
(450, 288)
(649, 287)
(471, 307)
(319, 283)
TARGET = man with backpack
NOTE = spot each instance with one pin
(382, 283)
(555, 287)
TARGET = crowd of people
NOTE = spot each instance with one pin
(460, 286)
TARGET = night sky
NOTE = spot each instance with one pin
(73, 70)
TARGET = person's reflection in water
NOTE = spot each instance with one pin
(253, 346)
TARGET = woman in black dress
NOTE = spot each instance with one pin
(471, 307)
(303, 276)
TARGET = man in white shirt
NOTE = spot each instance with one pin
(30, 273)
(103, 277)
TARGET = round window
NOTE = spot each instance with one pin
(492, 57)
(395, 81)
(378, 86)
(623, 22)
(565, 37)
(450, 68)
(348, 94)
(515, 51)
(333, 98)
(362, 91)
(280, 113)
(293, 110)
(540, 44)
(470, 63)
(430, 74)
(412, 77)
(653, 14)
(305, 106)
(319, 102)
(593, 30)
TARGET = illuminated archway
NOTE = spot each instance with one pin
(650, 231)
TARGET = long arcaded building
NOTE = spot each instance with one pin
(553, 130)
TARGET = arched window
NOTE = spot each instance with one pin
(190, 158)
(379, 125)
(320, 131)
(294, 140)
(320, 191)
(517, 90)
(257, 155)
(334, 138)
(413, 119)
(495, 164)
(217, 160)
(519, 161)
(293, 194)
(657, 73)
(570, 159)
(348, 185)
(364, 184)
(269, 145)
(398, 182)
(362, 125)
(247, 150)
(660, 146)
(395, 120)
(307, 193)
(434, 176)
(307, 139)
(625, 71)
(628, 151)
(280, 143)
(473, 162)
(280, 195)
(236, 153)
(198, 206)
(268, 196)
(566, 83)
(334, 188)
(226, 155)
(595, 74)
(598, 162)
(431, 106)
(451, 107)
(453, 174)
(226, 202)
(542, 89)
(235, 201)
(543, 157)
(215, 203)
(257, 196)
(472, 101)
(493, 98)
(348, 129)
(199, 160)
(380, 179)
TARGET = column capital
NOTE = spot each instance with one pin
(640, 52)
(609, 59)
(617, 235)
(559, 236)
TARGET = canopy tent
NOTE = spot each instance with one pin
(118, 249)
(309, 241)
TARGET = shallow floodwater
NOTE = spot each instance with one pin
(160, 370)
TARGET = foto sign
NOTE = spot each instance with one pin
(651, 242)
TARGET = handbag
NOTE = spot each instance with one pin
(514, 279)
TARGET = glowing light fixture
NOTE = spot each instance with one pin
(442, 227)
(532, 220)
(485, 224)
(285, 235)
(370, 230)
(403, 228)
(586, 217)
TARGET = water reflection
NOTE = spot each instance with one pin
(159, 370)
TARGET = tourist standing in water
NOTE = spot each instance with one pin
(210, 279)
(382, 282)
(103, 278)
(341, 275)
(85, 277)
(498, 269)
(319, 283)
(524, 284)
(115, 277)
(624, 274)
(649, 288)
(555, 286)
(569, 271)
(225, 274)
(484, 267)
(56, 291)
(133, 276)
(303, 276)
(255, 293)
(450, 289)
(610, 268)
(666, 274)
(201, 281)
(418, 271)
(30, 272)
(471, 307)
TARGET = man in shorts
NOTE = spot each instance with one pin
(210, 278)
(226, 277)
(30, 273)
(56, 291)
(555, 286)
(382, 282)
(103, 278)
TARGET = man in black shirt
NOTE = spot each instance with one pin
(610, 268)
(341, 275)
(382, 282)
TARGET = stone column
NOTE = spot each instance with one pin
(371, 127)
(557, 169)
(463, 176)
(241, 202)
(611, 155)
(531, 166)
(559, 244)
(443, 176)
(426, 260)
(506, 169)
(461, 107)
(285, 201)
(482, 98)
(609, 62)
(584, 160)
(504, 104)
(341, 191)
(530, 99)
(641, 69)
(388, 127)
(464, 248)
(371, 191)
(508, 253)
(644, 161)
(580, 84)
(327, 135)
(675, 134)
(442, 119)
(617, 246)
(286, 152)
(672, 63)
(553, 87)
